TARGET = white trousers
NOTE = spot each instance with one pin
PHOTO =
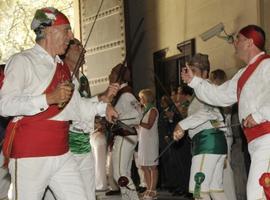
(112, 183)
(86, 163)
(259, 150)
(99, 149)
(4, 179)
(122, 155)
(212, 167)
(228, 182)
(30, 177)
(86, 167)
(49, 196)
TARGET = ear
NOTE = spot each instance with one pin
(250, 43)
(47, 31)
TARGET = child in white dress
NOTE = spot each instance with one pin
(149, 143)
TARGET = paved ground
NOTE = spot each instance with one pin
(162, 195)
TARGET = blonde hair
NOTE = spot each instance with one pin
(148, 95)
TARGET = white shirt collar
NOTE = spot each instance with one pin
(255, 57)
(123, 85)
(43, 53)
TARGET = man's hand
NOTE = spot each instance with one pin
(249, 122)
(61, 94)
(187, 74)
(178, 133)
(111, 92)
(111, 113)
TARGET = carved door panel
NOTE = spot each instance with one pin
(106, 46)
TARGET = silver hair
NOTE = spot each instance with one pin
(40, 33)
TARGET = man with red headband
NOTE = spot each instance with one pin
(37, 92)
(250, 88)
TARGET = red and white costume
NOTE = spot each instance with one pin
(39, 151)
(252, 99)
(124, 146)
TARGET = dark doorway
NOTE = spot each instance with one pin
(174, 165)
(167, 70)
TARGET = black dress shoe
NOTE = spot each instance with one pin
(112, 192)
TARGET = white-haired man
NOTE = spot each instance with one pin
(36, 84)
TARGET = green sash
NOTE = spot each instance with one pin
(209, 141)
(79, 143)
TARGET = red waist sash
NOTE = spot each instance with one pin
(257, 131)
(38, 139)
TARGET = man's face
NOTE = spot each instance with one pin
(58, 38)
(75, 53)
(164, 103)
(241, 45)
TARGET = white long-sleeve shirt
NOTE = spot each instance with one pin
(27, 75)
(254, 98)
(199, 118)
(86, 126)
(128, 106)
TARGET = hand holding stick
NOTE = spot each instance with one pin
(61, 94)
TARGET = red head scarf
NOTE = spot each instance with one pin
(48, 17)
(256, 34)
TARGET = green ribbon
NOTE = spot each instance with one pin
(199, 178)
(209, 141)
(148, 107)
(79, 143)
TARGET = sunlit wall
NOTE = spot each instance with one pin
(15, 20)
(169, 22)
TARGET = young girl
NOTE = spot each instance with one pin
(149, 143)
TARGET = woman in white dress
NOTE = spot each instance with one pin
(148, 143)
